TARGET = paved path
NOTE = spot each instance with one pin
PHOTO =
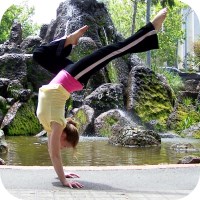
(160, 182)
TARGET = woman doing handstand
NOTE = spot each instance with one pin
(62, 133)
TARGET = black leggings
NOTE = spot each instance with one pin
(53, 56)
(143, 40)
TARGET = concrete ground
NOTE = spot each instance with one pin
(150, 182)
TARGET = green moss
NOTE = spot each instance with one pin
(185, 116)
(69, 104)
(197, 134)
(106, 130)
(150, 109)
(25, 121)
(112, 73)
(81, 119)
(153, 102)
(111, 121)
(186, 119)
(83, 49)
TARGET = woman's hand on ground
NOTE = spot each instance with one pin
(73, 184)
(72, 175)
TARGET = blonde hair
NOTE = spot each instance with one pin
(71, 132)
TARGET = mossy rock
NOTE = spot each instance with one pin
(106, 129)
(183, 117)
(3, 105)
(84, 48)
(151, 99)
(106, 97)
(196, 134)
(84, 116)
(81, 118)
(23, 120)
(110, 122)
(112, 73)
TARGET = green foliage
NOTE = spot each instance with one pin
(174, 80)
(171, 34)
(188, 120)
(186, 115)
(112, 73)
(187, 101)
(25, 121)
(121, 14)
(69, 104)
(106, 130)
(197, 48)
(81, 119)
(197, 54)
(197, 135)
(153, 103)
(165, 3)
(23, 14)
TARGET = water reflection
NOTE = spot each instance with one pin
(30, 151)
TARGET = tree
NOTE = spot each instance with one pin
(122, 12)
(169, 37)
(135, 5)
(148, 13)
(23, 14)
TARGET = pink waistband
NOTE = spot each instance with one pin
(67, 81)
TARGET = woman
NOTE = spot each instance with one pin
(71, 76)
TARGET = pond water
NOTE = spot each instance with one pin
(92, 151)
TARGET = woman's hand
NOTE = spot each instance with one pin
(73, 184)
(71, 175)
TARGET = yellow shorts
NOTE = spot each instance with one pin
(51, 105)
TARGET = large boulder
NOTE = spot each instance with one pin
(101, 31)
(149, 97)
(135, 138)
(9, 48)
(21, 67)
(122, 131)
(84, 116)
(16, 33)
(107, 123)
(36, 75)
(30, 43)
(189, 160)
(13, 66)
(15, 90)
(106, 97)
(21, 120)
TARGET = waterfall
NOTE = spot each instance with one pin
(104, 31)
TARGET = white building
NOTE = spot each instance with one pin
(192, 33)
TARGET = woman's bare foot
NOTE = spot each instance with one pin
(159, 18)
(74, 37)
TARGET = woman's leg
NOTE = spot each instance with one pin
(52, 56)
(143, 40)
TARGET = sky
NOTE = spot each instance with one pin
(45, 10)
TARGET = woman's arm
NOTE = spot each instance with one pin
(55, 155)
